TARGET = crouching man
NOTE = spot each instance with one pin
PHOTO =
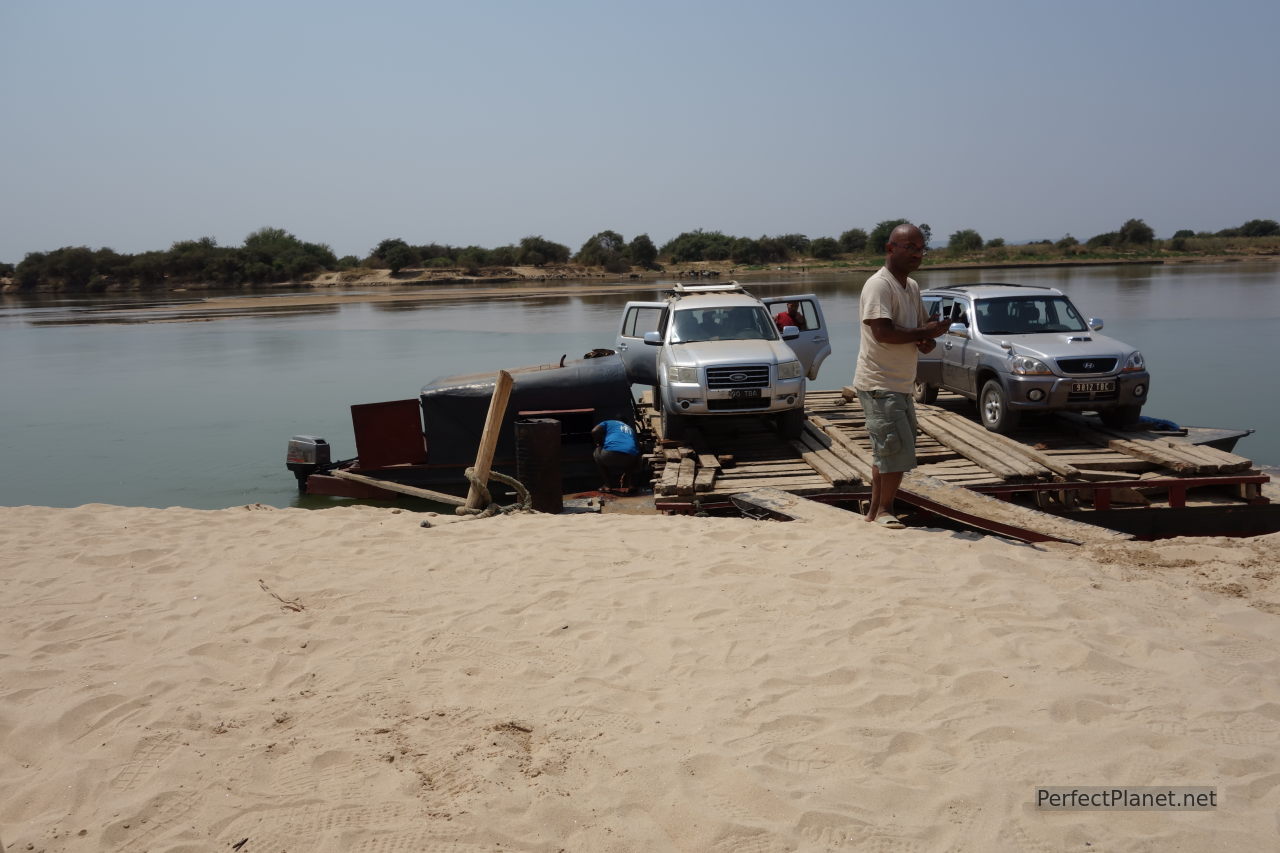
(616, 454)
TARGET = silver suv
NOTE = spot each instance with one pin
(717, 350)
(1017, 348)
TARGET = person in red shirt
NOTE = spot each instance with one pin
(791, 317)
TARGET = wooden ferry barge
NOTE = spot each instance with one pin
(1055, 473)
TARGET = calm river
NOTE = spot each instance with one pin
(101, 408)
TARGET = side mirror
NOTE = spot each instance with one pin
(1095, 324)
(653, 339)
(959, 328)
(790, 333)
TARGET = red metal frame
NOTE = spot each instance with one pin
(1176, 488)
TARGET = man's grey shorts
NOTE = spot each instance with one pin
(891, 421)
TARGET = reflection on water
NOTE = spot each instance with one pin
(100, 407)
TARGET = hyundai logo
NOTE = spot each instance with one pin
(1088, 365)
(737, 377)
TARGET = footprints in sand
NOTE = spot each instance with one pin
(837, 832)
(419, 842)
(160, 814)
(150, 753)
(482, 653)
(605, 721)
(305, 827)
(758, 842)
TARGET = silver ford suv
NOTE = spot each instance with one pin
(714, 350)
(1018, 348)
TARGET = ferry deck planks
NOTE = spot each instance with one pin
(1057, 463)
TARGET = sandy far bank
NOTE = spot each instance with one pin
(380, 286)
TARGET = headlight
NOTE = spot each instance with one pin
(1025, 365)
(790, 370)
(687, 375)
(1135, 362)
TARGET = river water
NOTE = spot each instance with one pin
(100, 407)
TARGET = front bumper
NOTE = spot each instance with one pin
(692, 399)
(1057, 393)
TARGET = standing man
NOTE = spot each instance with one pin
(895, 329)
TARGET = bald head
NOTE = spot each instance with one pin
(906, 233)
(904, 251)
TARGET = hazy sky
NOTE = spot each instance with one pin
(135, 124)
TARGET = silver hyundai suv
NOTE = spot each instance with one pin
(1019, 348)
(712, 350)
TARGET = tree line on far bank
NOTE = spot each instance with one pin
(273, 255)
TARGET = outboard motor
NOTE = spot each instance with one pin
(306, 455)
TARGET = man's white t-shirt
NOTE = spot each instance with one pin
(888, 367)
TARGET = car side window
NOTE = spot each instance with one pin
(808, 316)
(641, 320)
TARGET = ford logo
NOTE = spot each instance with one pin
(737, 377)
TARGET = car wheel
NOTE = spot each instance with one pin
(924, 392)
(791, 423)
(1121, 416)
(671, 426)
(993, 408)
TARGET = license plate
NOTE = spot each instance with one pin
(1092, 387)
(739, 393)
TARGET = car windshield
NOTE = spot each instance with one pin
(742, 323)
(1028, 315)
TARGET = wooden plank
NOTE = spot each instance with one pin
(812, 484)
(439, 497)
(1227, 463)
(830, 470)
(1003, 465)
(781, 505)
(1172, 453)
(489, 437)
(780, 465)
(708, 460)
(685, 478)
(1139, 450)
(666, 484)
(997, 516)
(705, 479)
(859, 458)
(814, 439)
(975, 431)
(801, 470)
(1093, 476)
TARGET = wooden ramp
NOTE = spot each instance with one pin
(954, 502)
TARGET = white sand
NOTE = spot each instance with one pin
(616, 683)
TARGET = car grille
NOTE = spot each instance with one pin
(1087, 366)
(741, 376)
(740, 403)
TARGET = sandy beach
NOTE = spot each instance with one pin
(261, 679)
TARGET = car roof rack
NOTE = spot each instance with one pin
(990, 284)
(727, 287)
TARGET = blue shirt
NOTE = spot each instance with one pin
(619, 437)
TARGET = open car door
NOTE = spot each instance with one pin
(814, 344)
(639, 358)
(929, 364)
